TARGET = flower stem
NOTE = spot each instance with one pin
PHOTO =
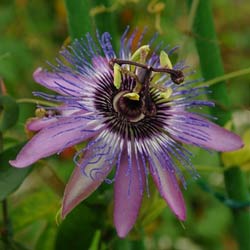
(212, 67)
(237, 189)
(5, 232)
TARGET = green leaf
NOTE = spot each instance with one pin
(106, 21)
(78, 17)
(12, 245)
(31, 233)
(46, 240)
(33, 216)
(78, 229)
(9, 112)
(10, 178)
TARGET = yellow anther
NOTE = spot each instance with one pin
(166, 94)
(117, 76)
(40, 112)
(140, 55)
(164, 60)
(132, 96)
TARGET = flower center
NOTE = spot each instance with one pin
(133, 110)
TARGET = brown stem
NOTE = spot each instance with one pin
(177, 76)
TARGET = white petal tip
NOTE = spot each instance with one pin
(64, 213)
(38, 75)
(179, 212)
(181, 217)
(238, 144)
(122, 231)
(37, 71)
(16, 164)
(67, 207)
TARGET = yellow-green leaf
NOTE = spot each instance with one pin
(240, 157)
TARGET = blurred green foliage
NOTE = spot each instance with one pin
(33, 32)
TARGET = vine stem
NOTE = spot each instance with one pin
(35, 101)
(5, 232)
(225, 77)
(212, 67)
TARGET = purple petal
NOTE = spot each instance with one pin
(78, 188)
(194, 129)
(127, 196)
(93, 168)
(61, 134)
(62, 83)
(36, 124)
(169, 189)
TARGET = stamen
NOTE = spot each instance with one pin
(177, 76)
(140, 55)
(40, 112)
(132, 96)
(138, 87)
(117, 76)
(165, 61)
